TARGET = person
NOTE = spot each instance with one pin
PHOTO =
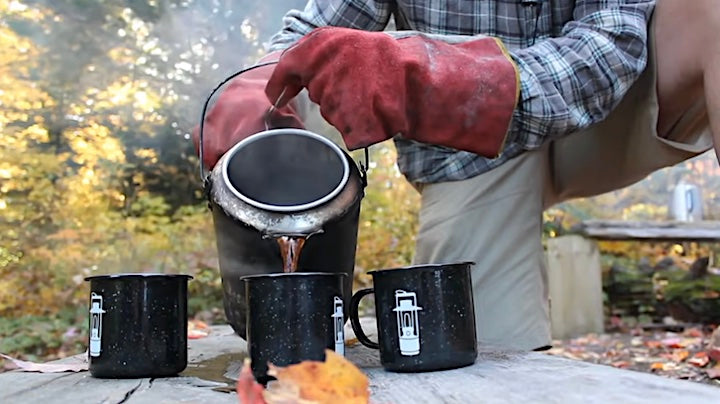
(498, 109)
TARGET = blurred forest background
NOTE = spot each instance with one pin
(98, 173)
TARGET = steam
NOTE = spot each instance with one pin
(213, 39)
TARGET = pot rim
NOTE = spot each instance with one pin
(126, 275)
(423, 267)
(291, 274)
(285, 208)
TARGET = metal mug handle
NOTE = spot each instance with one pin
(355, 320)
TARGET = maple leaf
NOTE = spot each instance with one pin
(700, 359)
(334, 381)
(248, 389)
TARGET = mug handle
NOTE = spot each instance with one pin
(355, 320)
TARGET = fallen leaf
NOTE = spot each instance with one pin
(714, 372)
(653, 344)
(693, 332)
(714, 354)
(679, 355)
(711, 294)
(657, 366)
(334, 381)
(249, 391)
(673, 343)
(700, 359)
(197, 329)
(197, 334)
(621, 364)
(25, 366)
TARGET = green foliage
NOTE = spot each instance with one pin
(388, 216)
(677, 285)
(44, 337)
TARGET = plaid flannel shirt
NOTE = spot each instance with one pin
(576, 60)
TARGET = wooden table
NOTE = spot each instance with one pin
(496, 377)
(622, 230)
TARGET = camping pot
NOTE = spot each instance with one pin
(283, 182)
(686, 203)
(276, 183)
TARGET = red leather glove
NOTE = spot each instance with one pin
(371, 87)
(239, 112)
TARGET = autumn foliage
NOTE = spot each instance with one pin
(336, 380)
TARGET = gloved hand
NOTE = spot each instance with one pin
(371, 87)
(239, 112)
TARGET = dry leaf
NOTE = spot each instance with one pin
(714, 354)
(249, 391)
(700, 359)
(25, 366)
(197, 329)
(657, 366)
(680, 355)
(621, 364)
(694, 332)
(653, 344)
(714, 372)
(334, 381)
(673, 343)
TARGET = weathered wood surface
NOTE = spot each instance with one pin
(634, 230)
(497, 377)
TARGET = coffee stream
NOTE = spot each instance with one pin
(290, 247)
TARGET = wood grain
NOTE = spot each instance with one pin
(496, 377)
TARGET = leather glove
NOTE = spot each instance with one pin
(240, 111)
(371, 87)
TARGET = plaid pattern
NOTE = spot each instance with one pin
(576, 58)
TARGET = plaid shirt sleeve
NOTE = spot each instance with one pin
(575, 79)
(369, 15)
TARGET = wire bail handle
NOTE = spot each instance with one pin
(204, 174)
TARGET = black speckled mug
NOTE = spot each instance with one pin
(425, 317)
(138, 325)
(293, 317)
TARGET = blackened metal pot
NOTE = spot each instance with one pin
(283, 182)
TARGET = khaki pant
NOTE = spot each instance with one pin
(495, 219)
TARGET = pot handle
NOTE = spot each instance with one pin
(364, 168)
(355, 320)
(204, 174)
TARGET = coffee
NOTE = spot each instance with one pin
(290, 247)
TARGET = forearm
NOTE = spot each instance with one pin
(369, 15)
(575, 80)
